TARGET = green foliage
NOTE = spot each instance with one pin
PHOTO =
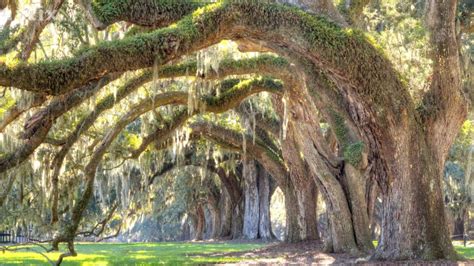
(340, 129)
(399, 28)
(72, 24)
(457, 183)
(6, 102)
(353, 153)
(464, 141)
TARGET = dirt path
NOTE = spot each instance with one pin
(310, 253)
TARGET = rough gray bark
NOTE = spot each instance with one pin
(215, 218)
(264, 226)
(251, 199)
(306, 127)
(199, 223)
(293, 228)
(237, 220)
(225, 206)
(305, 188)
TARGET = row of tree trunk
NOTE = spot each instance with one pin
(248, 216)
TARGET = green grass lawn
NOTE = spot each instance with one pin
(134, 254)
(467, 252)
(176, 253)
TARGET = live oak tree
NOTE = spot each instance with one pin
(329, 73)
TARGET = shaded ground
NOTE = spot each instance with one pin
(312, 253)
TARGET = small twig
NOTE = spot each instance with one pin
(111, 236)
(116, 166)
(102, 224)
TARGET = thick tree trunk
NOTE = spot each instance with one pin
(186, 230)
(232, 196)
(420, 230)
(293, 229)
(324, 170)
(264, 226)
(305, 189)
(412, 195)
(251, 198)
(307, 200)
(355, 191)
(302, 181)
(215, 221)
(200, 223)
(225, 206)
(237, 221)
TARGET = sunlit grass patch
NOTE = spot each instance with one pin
(134, 254)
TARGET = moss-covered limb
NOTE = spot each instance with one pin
(444, 105)
(19, 108)
(228, 99)
(154, 13)
(62, 104)
(352, 9)
(346, 55)
(132, 53)
(37, 128)
(263, 65)
(232, 97)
